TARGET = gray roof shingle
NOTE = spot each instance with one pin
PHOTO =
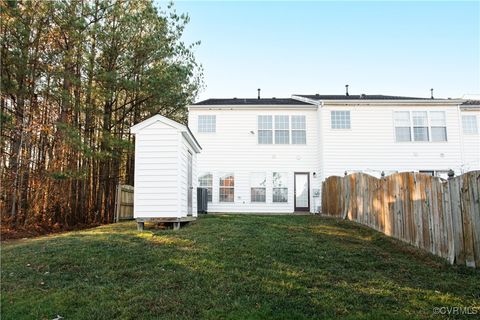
(251, 101)
(357, 97)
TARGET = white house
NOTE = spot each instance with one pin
(271, 155)
(165, 171)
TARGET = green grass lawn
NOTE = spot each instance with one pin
(230, 267)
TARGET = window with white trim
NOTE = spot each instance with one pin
(227, 187)
(420, 125)
(265, 130)
(340, 119)
(299, 130)
(207, 123)
(205, 180)
(280, 187)
(402, 126)
(469, 124)
(282, 130)
(258, 187)
(438, 126)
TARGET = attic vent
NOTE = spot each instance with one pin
(234, 98)
(274, 98)
(363, 96)
(346, 90)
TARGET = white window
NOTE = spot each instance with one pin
(280, 187)
(258, 185)
(402, 126)
(470, 124)
(207, 124)
(227, 188)
(340, 119)
(420, 126)
(206, 181)
(299, 134)
(265, 135)
(438, 126)
(282, 130)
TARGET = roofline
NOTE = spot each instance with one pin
(182, 128)
(312, 106)
(380, 102)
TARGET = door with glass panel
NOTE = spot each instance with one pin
(302, 191)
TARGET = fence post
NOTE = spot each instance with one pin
(118, 202)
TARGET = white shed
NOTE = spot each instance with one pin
(165, 172)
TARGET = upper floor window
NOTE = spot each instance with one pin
(402, 126)
(299, 134)
(282, 130)
(470, 124)
(258, 184)
(206, 181)
(438, 126)
(420, 126)
(265, 126)
(227, 188)
(340, 119)
(207, 124)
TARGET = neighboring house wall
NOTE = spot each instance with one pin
(370, 145)
(234, 148)
(471, 143)
(156, 171)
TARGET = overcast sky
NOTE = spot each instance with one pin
(393, 48)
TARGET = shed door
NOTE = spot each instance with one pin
(189, 183)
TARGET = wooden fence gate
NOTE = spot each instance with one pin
(124, 203)
(442, 217)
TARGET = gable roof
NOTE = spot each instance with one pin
(358, 97)
(251, 101)
(187, 134)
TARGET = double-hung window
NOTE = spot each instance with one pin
(299, 134)
(470, 124)
(402, 126)
(227, 188)
(282, 130)
(206, 181)
(258, 185)
(207, 124)
(420, 126)
(438, 126)
(340, 119)
(265, 128)
(280, 187)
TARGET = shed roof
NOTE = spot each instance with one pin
(185, 130)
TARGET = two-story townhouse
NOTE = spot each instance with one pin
(270, 155)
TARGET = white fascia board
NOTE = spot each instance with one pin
(307, 100)
(148, 122)
(188, 135)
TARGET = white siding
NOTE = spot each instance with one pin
(156, 171)
(370, 145)
(183, 178)
(471, 144)
(234, 148)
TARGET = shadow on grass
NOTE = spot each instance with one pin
(229, 267)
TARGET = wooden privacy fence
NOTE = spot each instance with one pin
(124, 202)
(442, 217)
